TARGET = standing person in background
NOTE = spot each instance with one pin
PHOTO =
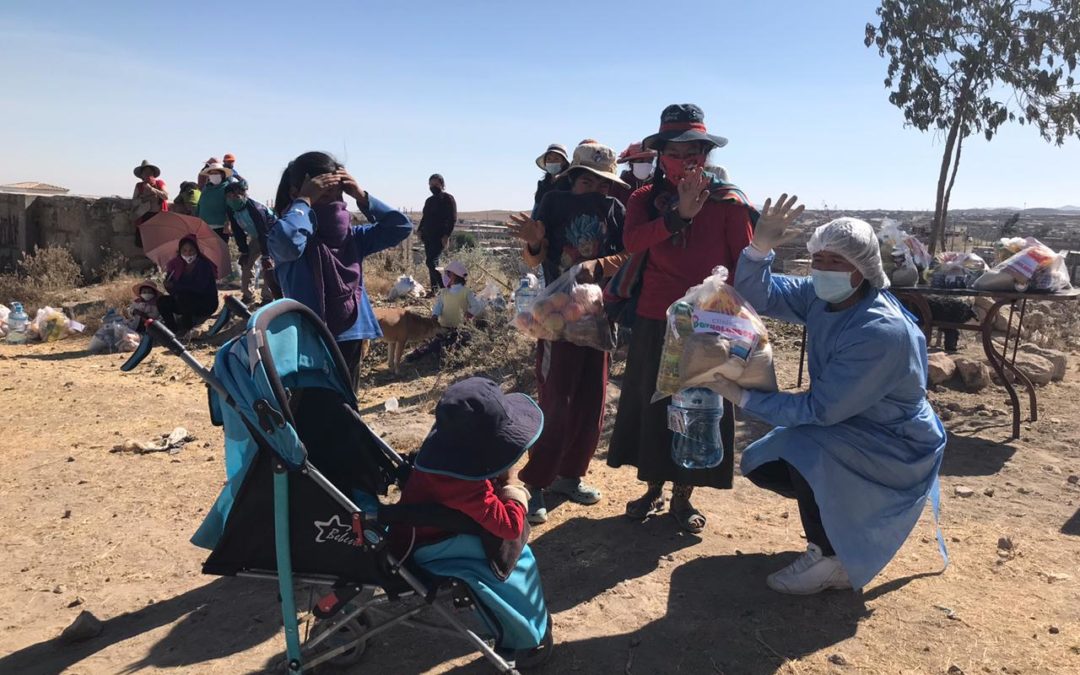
(187, 202)
(318, 253)
(202, 172)
(583, 226)
(212, 208)
(229, 162)
(684, 223)
(150, 197)
(436, 226)
(553, 163)
(637, 175)
(250, 222)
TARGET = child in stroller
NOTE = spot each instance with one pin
(479, 434)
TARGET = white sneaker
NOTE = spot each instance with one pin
(811, 573)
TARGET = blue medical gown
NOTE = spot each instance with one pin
(864, 436)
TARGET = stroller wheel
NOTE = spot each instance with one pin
(534, 658)
(344, 634)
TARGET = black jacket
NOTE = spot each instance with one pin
(439, 218)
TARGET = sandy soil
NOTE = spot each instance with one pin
(86, 528)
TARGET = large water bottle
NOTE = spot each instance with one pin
(17, 322)
(694, 416)
(526, 293)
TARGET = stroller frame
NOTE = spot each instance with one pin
(302, 657)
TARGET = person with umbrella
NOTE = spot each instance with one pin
(150, 197)
(190, 279)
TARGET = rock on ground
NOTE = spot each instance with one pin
(1059, 359)
(84, 627)
(941, 367)
(974, 374)
(1038, 369)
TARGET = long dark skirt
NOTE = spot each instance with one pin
(641, 437)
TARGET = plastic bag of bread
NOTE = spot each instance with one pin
(713, 332)
(1035, 267)
(570, 311)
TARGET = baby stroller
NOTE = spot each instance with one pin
(301, 504)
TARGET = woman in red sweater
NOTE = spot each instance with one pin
(685, 223)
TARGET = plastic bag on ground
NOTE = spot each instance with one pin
(1035, 267)
(405, 286)
(51, 324)
(4, 312)
(492, 297)
(570, 311)
(113, 336)
(713, 332)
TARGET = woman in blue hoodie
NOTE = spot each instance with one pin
(318, 253)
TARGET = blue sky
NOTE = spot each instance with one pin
(475, 90)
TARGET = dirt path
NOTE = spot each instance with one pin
(85, 528)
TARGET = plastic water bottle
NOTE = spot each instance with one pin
(17, 321)
(694, 416)
(526, 294)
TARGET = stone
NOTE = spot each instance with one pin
(838, 659)
(1005, 543)
(84, 627)
(1059, 359)
(989, 492)
(974, 374)
(1073, 479)
(1054, 630)
(955, 670)
(941, 367)
(1038, 369)
(962, 491)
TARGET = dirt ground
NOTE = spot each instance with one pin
(90, 529)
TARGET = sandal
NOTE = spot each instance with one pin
(689, 519)
(648, 504)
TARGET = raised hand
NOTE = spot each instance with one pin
(693, 193)
(314, 188)
(773, 225)
(526, 229)
(351, 187)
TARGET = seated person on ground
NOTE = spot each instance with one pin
(144, 306)
(456, 305)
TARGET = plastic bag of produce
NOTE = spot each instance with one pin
(1034, 267)
(957, 270)
(570, 311)
(4, 312)
(713, 332)
(51, 324)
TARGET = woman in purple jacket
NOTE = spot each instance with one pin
(191, 282)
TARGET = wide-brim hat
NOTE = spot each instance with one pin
(557, 148)
(635, 153)
(456, 267)
(137, 288)
(479, 431)
(597, 159)
(147, 165)
(682, 123)
(217, 166)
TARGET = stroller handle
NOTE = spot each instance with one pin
(233, 308)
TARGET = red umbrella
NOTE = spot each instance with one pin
(161, 237)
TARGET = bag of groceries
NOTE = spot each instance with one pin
(570, 311)
(1035, 267)
(713, 332)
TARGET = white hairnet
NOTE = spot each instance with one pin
(855, 240)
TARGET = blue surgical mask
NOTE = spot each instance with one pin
(832, 287)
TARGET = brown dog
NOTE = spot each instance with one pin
(400, 327)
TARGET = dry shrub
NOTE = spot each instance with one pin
(114, 264)
(493, 349)
(41, 277)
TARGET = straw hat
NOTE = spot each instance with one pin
(597, 159)
(146, 165)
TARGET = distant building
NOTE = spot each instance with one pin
(33, 188)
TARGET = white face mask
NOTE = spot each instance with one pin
(642, 170)
(147, 297)
(189, 258)
(832, 287)
(214, 179)
(553, 168)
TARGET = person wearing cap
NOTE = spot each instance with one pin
(637, 174)
(229, 162)
(464, 464)
(250, 223)
(455, 305)
(582, 225)
(212, 209)
(150, 197)
(436, 225)
(553, 162)
(861, 449)
(679, 227)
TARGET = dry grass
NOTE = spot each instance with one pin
(41, 277)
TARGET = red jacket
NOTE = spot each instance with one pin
(478, 499)
(676, 262)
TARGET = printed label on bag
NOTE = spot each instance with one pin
(738, 330)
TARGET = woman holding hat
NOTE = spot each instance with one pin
(150, 197)
(637, 174)
(212, 209)
(682, 224)
(583, 225)
(553, 163)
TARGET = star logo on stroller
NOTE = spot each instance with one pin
(334, 530)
